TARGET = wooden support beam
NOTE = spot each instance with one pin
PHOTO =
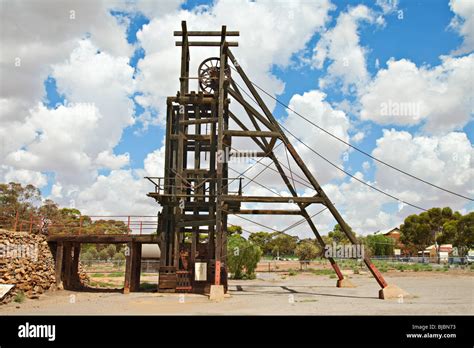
(239, 133)
(75, 280)
(247, 154)
(198, 121)
(67, 265)
(128, 268)
(59, 264)
(266, 212)
(241, 125)
(136, 267)
(195, 137)
(189, 100)
(207, 43)
(299, 161)
(264, 199)
(196, 223)
(206, 33)
(250, 108)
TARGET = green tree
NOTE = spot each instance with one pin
(119, 258)
(459, 232)
(15, 198)
(380, 245)
(103, 255)
(233, 229)
(338, 236)
(263, 240)
(111, 250)
(421, 231)
(283, 244)
(243, 256)
(306, 250)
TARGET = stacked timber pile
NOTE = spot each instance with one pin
(26, 261)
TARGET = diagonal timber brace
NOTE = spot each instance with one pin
(335, 213)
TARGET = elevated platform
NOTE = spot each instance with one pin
(105, 238)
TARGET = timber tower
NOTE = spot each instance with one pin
(196, 192)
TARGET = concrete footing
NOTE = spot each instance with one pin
(345, 283)
(393, 291)
(216, 293)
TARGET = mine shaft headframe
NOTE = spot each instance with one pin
(209, 69)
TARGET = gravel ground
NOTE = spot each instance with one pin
(434, 294)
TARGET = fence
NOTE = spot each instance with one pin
(113, 266)
(82, 224)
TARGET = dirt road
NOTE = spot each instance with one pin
(271, 293)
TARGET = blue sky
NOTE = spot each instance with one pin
(417, 32)
(422, 36)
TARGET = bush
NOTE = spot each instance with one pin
(19, 297)
(111, 250)
(119, 257)
(292, 272)
(243, 257)
(87, 258)
(306, 251)
(103, 255)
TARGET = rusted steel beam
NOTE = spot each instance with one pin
(206, 33)
(207, 43)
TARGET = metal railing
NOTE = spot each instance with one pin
(163, 185)
(82, 224)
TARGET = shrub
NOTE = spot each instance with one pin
(87, 258)
(119, 257)
(292, 272)
(306, 251)
(19, 297)
(243, 257)
(103, 254)
(111, 250)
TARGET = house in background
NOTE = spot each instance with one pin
(445, 251)
(394, 233)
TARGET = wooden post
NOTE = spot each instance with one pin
(220, 162)
(128, 268)
(75, 280)
(136, 267)
(31, 222)
(59, 264)
(67, 265)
